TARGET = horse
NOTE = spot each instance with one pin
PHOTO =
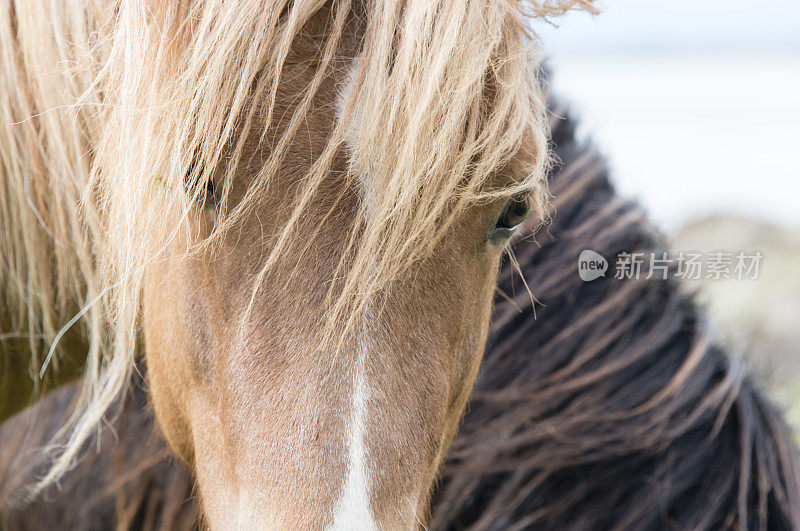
(599, 405)
(292, 211)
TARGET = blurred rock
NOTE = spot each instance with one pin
(759, 317)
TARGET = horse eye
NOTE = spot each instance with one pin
(513, 215)
(208, 196)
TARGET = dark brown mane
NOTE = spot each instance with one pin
(610, 409)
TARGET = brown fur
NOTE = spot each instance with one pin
(610, 409)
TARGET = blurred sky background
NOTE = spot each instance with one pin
(695, 103)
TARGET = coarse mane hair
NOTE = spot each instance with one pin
(610, 408)
(610, 405)
(113, 110)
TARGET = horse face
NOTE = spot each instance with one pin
(280, 435)
(281, 432)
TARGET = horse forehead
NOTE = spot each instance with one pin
(520, 164)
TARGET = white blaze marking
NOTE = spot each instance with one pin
(352, 509)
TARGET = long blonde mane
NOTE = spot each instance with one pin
(107, 105)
